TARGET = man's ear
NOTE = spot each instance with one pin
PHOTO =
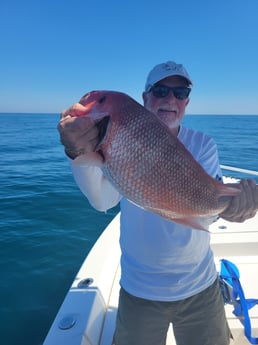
(144, 96)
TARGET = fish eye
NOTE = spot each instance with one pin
(102, 99)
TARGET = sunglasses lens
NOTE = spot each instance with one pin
(181, 92)
(161, 91)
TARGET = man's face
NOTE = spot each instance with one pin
(169, 109)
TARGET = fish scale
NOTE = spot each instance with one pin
(148, 165)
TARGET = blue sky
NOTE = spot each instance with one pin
(53, 51)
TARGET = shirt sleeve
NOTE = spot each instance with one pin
(209, 159)
(95, 186)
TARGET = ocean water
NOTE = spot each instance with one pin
(47, 226)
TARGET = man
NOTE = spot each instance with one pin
(168, 272)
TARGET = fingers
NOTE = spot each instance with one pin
(254, 187)
(75, 110)
(253, 198)
(79, 135)
(244, 205)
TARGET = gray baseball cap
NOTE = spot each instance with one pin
(164, 70)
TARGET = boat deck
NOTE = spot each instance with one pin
(238, 242)
(87, 316)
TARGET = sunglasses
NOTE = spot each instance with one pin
(161, 91)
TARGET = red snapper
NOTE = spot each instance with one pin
(149, 165)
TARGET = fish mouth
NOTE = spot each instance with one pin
(102, 126)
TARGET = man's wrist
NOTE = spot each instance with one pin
(73, 153)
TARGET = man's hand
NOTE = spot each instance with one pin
(244, 205)
(79, 135)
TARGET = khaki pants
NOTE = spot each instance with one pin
(198, 320)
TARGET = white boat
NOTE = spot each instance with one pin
(88, 313)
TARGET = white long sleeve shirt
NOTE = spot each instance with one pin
(161, 260)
